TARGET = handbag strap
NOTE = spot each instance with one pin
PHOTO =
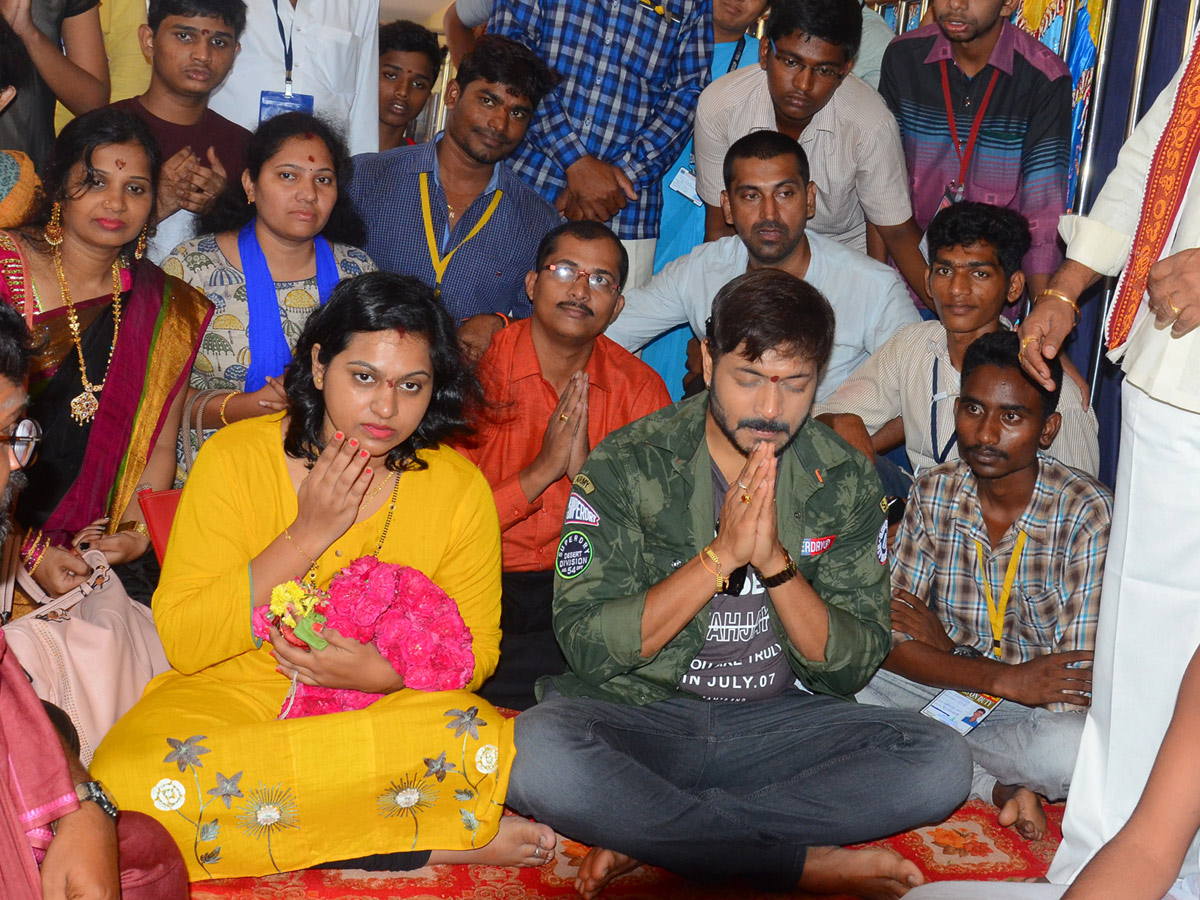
(48, 604)
(195, 425)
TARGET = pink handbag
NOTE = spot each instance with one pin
(90, 652)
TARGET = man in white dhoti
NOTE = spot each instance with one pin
(1150, 608)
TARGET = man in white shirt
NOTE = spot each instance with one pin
(975, 252)
(334, 50)
(804, 89)
(1149, 619)
(769, 200)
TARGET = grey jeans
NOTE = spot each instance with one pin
(1016, 744)
(715, 789)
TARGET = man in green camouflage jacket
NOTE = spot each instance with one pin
(722, 588)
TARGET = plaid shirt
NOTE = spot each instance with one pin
(1055, 598)
(631, 80)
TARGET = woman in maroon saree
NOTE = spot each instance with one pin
(108, 377)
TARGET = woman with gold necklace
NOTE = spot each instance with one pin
(116, 339)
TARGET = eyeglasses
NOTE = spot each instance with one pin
(22, 438)
(567, 274)
(825, 73)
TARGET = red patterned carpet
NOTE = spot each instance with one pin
(970, 845)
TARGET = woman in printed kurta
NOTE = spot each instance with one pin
(356, 469)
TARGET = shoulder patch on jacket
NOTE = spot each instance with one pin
(583, 482)
(580, 512)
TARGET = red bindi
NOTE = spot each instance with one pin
(774, 379)
(312, 159)
(204, 31)
(308, 135)
(120, 163)
(391, 384)
(400, 332)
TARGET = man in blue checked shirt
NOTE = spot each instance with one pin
(632, 74)
(996, 588)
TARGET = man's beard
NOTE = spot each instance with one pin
(730, 432)
(16, 482)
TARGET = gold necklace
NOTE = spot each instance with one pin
(83, 407)
(311, 577)
(379, 487)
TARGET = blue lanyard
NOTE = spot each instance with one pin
(939, 457)
(287, 52)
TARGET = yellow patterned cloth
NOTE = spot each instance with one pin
(245, 794)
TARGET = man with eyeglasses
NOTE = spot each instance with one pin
(726, 598)
(803, 88)
(60, 834)
(555, 387)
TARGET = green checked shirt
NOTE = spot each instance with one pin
(643, 506)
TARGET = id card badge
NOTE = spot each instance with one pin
(961, 710)
(684, 183)
(272, 103)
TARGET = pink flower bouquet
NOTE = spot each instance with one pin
(413, 623)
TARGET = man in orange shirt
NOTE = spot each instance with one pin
(555, 387)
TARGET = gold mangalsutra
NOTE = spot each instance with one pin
(84, 406)
(379, 487)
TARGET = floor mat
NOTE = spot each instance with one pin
(969, 845)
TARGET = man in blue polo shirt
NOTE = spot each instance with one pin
(450, 212)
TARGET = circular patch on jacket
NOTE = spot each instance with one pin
(574, 555)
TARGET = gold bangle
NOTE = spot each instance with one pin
(1058, 295)
(37, 562)
(287, 534)
(722, 581)
(225, 403)
(134, 525)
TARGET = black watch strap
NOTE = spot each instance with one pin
(783, 577)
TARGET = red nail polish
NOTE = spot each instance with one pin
(368, 470)
(364, 454)
(337, 435)
(353, 442)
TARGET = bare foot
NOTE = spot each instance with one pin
(519, 842)
(1021, 807)
(600, 867)
(874, 873)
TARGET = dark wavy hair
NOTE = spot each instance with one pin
(406, 36)
(232, 211)
(763, 145)
(16, 347)
(381, 301)
(502, 60)
(231, 12)
(837, 22)
(1002, 349)
(77, 142)
(1006, 231)
(769, 309)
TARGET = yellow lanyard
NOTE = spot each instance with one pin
(440, 263)
(996, 613)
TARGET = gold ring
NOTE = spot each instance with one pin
(1025, 342)
(563, 417)
(745, 498)
(1175, 309)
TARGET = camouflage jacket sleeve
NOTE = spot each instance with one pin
(851, 576)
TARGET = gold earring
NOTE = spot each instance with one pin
(53, 232)
(140, 250)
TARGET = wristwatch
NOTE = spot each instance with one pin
(98, 794)
(783, 577)
(967, 652)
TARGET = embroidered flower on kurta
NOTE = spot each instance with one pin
(186, 753)
(168, 795)
(227, 788)
(465, 721)
(406, 797)
(438, 767)
(268, 809)
(487, 759)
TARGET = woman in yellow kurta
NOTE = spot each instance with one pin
(356, 468)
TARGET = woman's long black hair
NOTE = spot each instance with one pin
(232, 209)
(381, 301)
(77, 142)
